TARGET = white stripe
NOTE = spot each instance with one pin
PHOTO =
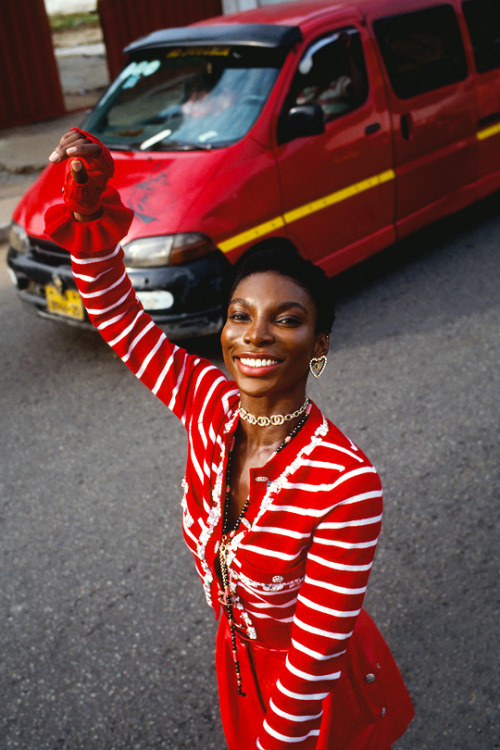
(101, 311)
(306, 487)
(86, 261)
(342, 450)
(270, 605)
(175, 390)
(284, 715)
(332, 587)
(208, 398)
(337, 566)
(135, 341)
(163, 373)
(328, 610)
(311, 677)
(270, 553)
(300, 510)
(102, 292)
(194, 458)
(95, 278)
(227, 396)
(151, 355)
(315, 654)
(286, 738)
(301, 696)
(361, 497)
(348, 524)
(345, 545)
(262, 616)
(191, 536)
(322, 465)
(126, 330)
(110, 322)
(283, 532)
(326, 633)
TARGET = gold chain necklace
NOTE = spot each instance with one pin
(275, 418)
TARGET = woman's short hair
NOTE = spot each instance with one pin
(289, 263)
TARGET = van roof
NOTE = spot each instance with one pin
(253, 34)
(274, 25)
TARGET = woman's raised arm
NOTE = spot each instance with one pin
(90, 224)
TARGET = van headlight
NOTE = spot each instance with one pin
(167, 249)
(18, 239)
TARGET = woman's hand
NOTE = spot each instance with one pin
(86, 177)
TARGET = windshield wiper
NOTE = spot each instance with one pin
(183, 146)
(118, 147)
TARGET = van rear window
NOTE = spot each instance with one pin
(483, 20)
(422, 50)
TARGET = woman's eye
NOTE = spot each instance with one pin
(289, 320)
(238, 316)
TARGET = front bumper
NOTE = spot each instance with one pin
(196, 289)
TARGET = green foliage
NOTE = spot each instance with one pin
(63, 21)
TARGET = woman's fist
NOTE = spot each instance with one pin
(86, 175)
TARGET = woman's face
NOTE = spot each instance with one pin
(270, 336)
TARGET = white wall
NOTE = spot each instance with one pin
(69, 6)
(232, 6)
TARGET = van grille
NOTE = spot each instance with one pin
(45, 251)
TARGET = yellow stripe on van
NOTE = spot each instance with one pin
(305, 210)
(251, 234)
(338, 196)
(488, 132)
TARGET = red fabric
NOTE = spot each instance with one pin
(299, 567)
(85, 199)
(97, 235)
(357, 715)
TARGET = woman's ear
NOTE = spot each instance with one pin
(322, 344)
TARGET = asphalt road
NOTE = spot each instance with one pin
(105, 639)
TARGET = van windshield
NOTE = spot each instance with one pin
(186, 98)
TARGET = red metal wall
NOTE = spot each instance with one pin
(30, 88)
(123, 21)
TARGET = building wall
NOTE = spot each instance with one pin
(233, 6)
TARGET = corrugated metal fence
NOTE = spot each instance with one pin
(30, 88)
(123, 21)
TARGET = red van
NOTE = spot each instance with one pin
(334, 127)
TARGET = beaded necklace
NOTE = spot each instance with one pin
(226, 598)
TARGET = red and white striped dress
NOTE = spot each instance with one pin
(316, 672)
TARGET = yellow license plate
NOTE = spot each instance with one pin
(68, 303)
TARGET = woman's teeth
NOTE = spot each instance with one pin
(258, 362)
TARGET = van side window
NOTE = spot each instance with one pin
(422, 51)
(483, 20)
(332, 73)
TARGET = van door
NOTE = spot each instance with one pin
(338, 187)
(433, 103)
(483, 23)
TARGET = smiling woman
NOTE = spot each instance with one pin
(281, 511)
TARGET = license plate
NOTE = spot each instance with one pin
(69, 303)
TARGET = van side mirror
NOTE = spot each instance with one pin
(301, 121)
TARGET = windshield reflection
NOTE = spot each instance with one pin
(181, 99)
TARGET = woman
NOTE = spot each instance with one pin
(281, 511)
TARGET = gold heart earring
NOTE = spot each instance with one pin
(317, 365)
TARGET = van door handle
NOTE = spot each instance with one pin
(372, 128)
(406, 123)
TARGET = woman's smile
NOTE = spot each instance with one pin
(257, 365)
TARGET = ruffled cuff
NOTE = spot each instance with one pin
(84, 237)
